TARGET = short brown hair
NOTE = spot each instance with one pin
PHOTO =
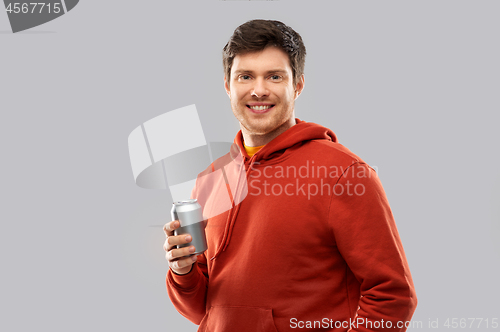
(255, 35)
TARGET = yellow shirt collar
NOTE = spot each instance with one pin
(251, 150)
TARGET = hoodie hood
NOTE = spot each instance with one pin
(298, 134)
(302, 131)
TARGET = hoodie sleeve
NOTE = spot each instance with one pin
(188, 292)
(367, 238)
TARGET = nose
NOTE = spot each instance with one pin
(259, 88)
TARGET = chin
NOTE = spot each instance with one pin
(262, 128)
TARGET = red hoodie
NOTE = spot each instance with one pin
(312, 245)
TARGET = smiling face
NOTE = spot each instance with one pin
(262, 94)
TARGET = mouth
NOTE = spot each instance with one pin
(260, 109)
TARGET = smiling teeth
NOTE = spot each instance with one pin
(260, 108)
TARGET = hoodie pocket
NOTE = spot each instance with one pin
(241, 319)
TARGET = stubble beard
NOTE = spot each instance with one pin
(265, 125)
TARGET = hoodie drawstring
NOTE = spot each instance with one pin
(233, 212)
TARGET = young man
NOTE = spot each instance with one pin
(313, 244)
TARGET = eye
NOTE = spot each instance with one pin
(243, 77)
(275, 77)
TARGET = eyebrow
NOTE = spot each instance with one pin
(241, 71)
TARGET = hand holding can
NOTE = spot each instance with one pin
(176, 258)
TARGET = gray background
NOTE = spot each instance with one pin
(411, 87)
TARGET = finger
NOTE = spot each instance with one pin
(179, 253)
(170, 226)
(172, 241)
(176, 240)
(181, 263)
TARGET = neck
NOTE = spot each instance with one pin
(252, 139)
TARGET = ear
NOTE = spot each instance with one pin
(300, 86)
(226, 86)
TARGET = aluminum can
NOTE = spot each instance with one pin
(189, 214)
